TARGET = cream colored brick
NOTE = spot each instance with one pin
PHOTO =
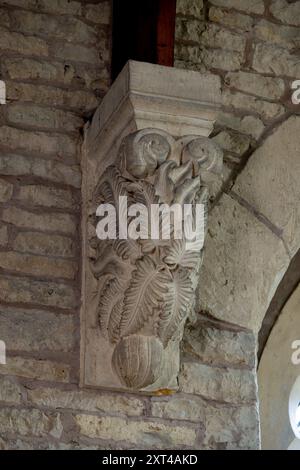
(38, 265)
(20, 290)
(27, 45)
(147, 433)
(6, 190)
(38, 195)
(87, 401)
(30, 423)
(36, 369)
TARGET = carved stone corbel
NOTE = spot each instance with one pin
(138, 293)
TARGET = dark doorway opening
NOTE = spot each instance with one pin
(143, 30)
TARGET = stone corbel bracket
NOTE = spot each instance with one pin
(137, 294)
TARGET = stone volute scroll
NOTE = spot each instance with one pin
(148, 145)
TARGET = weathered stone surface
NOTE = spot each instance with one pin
(4, 18)
(189, 7)
(27, 45)
(232, 427)
(48, 95)
(231, 18)
(36, 369)
(149, 434)
(29, 422)
(233, 142)
(44, 244)
(266, 87)
(285, 36)
(268, 59)
(10, 391)
(14, 289)
(52, 6)
(38, 265)
(188, 54)
(6, 190)
(40, 117)
(215, 36)
(252, 104)
(86, 401)
(38, 195)
(270, 181)
(227, 427)
(18, 165)
(286, 12)
(99, 13)
(180, 407)
(249, 6)
(249, 125)
(67, 28)
(39, 142)
(188, 29)
(3, 235)
(213, 345)
(34, 330)
(54, 222)
(32, 69)
(222, 59)
(243, 264)
(67, 51)
(215, 383)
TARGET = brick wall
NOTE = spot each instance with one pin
(254, 46)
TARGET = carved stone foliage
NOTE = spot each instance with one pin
(146, 287)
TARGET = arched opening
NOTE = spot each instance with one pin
(278, 370)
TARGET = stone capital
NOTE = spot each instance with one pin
(148, 142)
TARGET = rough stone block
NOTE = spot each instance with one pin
(3, 235)
(190, 7)
(45, 244)
(149, 434)
(67, 28)
(249, 6)
(252, 104)
(38, 195)
(214, 345)
(233, 142)
(36, 369)
(286, 12)
(266, 87)
(58, 145)
(19, 43)
(41, 117)
(53, 222)
(18, 165)
(29, 423)
(231, 18)
(284, 36)
(270, 59)
(220, 384)
(238, 247)
(10, 391)
(86, 401)
(20, 290)
(6, 190)
(270, 181)
(249, 125)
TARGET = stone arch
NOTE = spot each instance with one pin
(276, 376)
(254, 232)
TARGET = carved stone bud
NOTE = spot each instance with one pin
(137, 359)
